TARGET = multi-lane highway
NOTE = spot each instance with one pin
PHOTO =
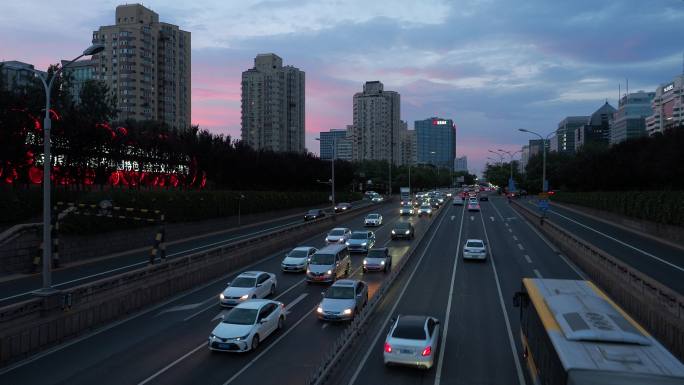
(167, 344)
(18, 289)
(660, 261)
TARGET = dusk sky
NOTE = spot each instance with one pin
(492, 66)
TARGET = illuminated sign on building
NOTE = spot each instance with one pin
(668, 87)
(439, 122)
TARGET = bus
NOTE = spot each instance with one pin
(573, 334)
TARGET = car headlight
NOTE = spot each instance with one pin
(319, 310)
(365, 262)
(382, 262)
(244, 297)
(342, 240)
(364, 244)
(328, 272)
(347, 311)
(308, 270)
(408, 232)
(346, 243)
(212, 336)
(393, 232)
(326, 239)
(222, 296)
(241, 337)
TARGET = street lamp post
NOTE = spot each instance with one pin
(501, 157)
(544, 184)
(510, 154)
(332, 166)
(47, 164)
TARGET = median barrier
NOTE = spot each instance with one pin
(655, 306)
(37, 324)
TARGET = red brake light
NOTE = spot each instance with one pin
(427, 351)
(388, 348)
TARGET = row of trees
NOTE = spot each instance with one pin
(643, 164)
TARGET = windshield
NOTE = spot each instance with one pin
(372, 216)
(340, 292)
(313, 212)
(376, 254)
(402, 226)
(243, 282)
(240, 316)
(322, 259)
(474, 244)
(425, 207)
(407, 207)
(336, 232)
(298, 254)
(359, 235)
(411, 332)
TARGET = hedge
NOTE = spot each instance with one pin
(178, 206)
(665, 207)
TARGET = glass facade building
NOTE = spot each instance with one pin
(326, 142)
(436, 142)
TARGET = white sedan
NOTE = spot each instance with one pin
(248, 285)
(412, 341)
(298, 258)
(249, 323)
(373, 219)
(475, 249)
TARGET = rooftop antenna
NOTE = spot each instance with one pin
(619, 93)
(627, 86)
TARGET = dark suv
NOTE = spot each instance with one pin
(403, 230)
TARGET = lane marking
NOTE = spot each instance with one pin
(452, 217)
(472, 218)
(507, 225)
(510, 231)
(492, 218)
(325, 325)
(515, 238)
(167, 367)
(289, 306)
(537, 273)
(514, 349)
(180, 308)
(621, 242)
(520, 246)
(442, 347)
(528, 259)
(383, 328)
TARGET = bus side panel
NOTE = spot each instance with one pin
(540, 350)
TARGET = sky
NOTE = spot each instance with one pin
(491, 66)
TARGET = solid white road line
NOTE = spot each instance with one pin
(180, 308)
(152, 377)
(383, 328)
(442, 347)
(621, 242)
(528, 259)
(514, 349)
(537, 273)
(520, 246)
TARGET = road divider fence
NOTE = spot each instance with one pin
(655, 306)
(31, 326)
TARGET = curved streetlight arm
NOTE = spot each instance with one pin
(544, 140)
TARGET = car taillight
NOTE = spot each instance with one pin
(388, 348)
(427, 351)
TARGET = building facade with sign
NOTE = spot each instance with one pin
(668, 107)
(436, 142)
(629, 120)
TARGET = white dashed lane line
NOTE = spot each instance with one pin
(537, 273)
(520, 246)
(515, 238)
(528, 259)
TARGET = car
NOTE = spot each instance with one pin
(314, 214)
(458, 200)
(412, 340)
(434, 203)
(484, 197)
(425, 210)
(378, 259)
(246, 286)
(343, 300)
(473, 206)
(370, 193)
(403, 230)
(406, 210)
(361, 241)
(246, 325)
(297, 259)
(341, 207)
(328, 264)
(377, 198)
(475, 249)
(373, 219)
(338, 235)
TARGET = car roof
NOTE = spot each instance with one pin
(332, 248)
(402, 224)
(364, 232)
(474, 240)
(251, 274)
(340, 228)
(303, 248)
(345, 282)
(412, 320)
(253, 304)
(379, 248)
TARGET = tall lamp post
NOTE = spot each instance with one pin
(545, 186)
(47, 164)
(501, 156)
(510, 154)
(332, 166)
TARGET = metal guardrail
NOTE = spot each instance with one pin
(655, 306)
(344, 340)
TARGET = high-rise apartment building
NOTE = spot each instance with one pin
(377, 123)
(329, 139)
(273, 105)
(565, 134)
(629, 121)
(80, 72)
(461, 164)
(668, 107)
(436, 142)
(16, 74)
(407, 141)
(146, 65)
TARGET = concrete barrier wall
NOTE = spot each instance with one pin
(659, 309)
(37, 324)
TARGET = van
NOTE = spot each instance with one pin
(328, 264)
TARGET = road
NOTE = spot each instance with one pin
(21, 288)
(167, 344)
(660, 261)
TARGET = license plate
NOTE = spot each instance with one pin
(320, 278)
(223, 346)
(405, 351)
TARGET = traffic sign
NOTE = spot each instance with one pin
(543, 204)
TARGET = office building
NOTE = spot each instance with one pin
(565, 133)
(461, 164)
(436, 142)
(597, 130)
(629, 121)
(524, 158)
(16, 74)
(80, 72)
(407, 140)
(146, 65)
(376, 124)
(327, 139)
(668, 107)
(273, 105)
